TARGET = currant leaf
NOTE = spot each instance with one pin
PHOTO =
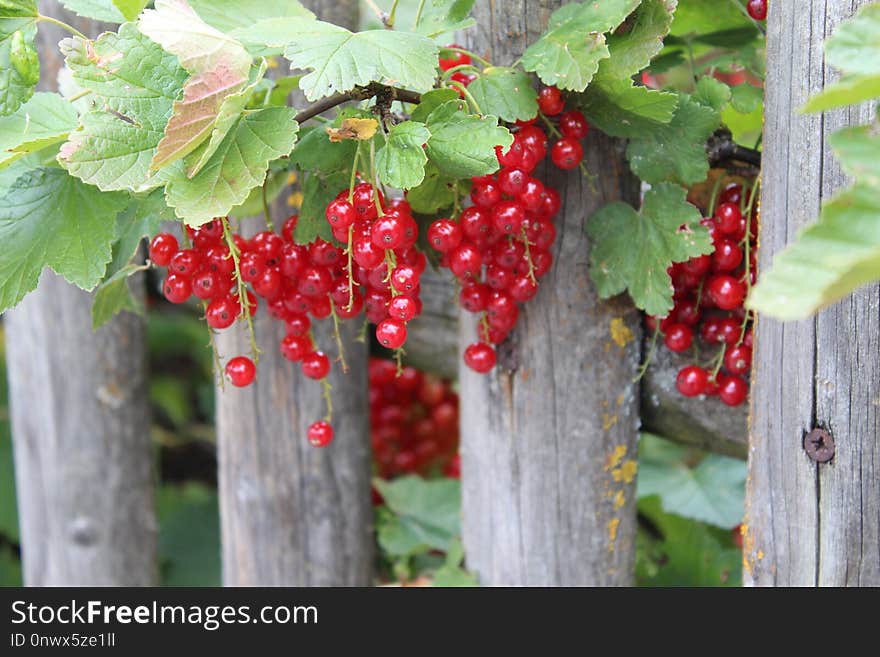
(463, 145)
(114, 296)
(134, 84)
(633, 50)
(830, 259)
(234, 16)
(316, 152)
(568, 54)
(506, 93)
(631, 250)
(442, 16)
(434, 193)
(100, 10)
(621, 109)
(401, 161)
(19, 65)
(239, 164)
(318, 191)
(44, 120)
(51, 219)
(430, 101)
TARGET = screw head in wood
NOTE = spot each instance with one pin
(819, 445)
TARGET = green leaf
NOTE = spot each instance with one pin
(315, 152)
(568, 53)
(426, 514)
(631, 250)
(318, 191)
(855, 45)
(849, 90)
(435, 193)
(745, 98)
(621, 109)
(189, 535)
(50, 219)
(237, 166)
(130, 8)
(101, 10)
(506, 93)
(276, 181)
(430, 101)
(236, 15)
(712, 93)
(698, 17)
(712, 491)
(113, 296)
(463, 145)
(830, 258)
(44, 120)
(442, 16)
(218, 66)
(134, 84)
(633, 49)
(401, 161)
(858, 150)
(19, 65)
(451, 573)
(676, 152)
(341, 60)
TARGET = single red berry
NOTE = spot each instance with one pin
(269, 245)
(567, 153)
(499, 278)
(444, 235)
(732, 194)
(508, 217)
(405, 280)
(241, 371)
(252, 266)
(316, 365)
(295, 347)
(475, 223)
(474, 298)
(729, 330)
(574, 124)
(402, 308)
(532, 195)
(288, 227)
(533, 139)
(728, 218)
(727, 256)
(550, 101)
(162, 248)
(320, 434)
(207, 284)
(324, 254)
(314, 281)
(523, 288)
(366, 254)
(691, 381)
(757, 9)
(185, 262)
(726, 292)
(465, 260)
(388, 232)
(480, 357)
(733, 390)
(391, 333)
(340, 213)
(678, 338)
(222, 312)
(485, 194)
(268, 285)
(698, 266)
(177, 288)
(738, 359)
(512, 181)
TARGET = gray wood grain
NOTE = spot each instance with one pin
(291, 514)
(549, 438)
(80, 422)
(810, 524)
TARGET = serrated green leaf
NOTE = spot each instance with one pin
(696, 17)
(506, 93)
(676, 152)
(849, 90)
(568, 53)
(218, 66)
(234, 16)
(463, 145)
(830, 258)
(712, 491)
(631, 250)
(632, 50)
(101, 10)
(430, 101)
(442, 16)
(426, 513)
(621, 109)
(451, 573)
(434, 193)
(315, 152)
(142, 218)
(50, 219)
(237, 166)
(19, 64)
(745, 98)
(114, 296)
(712, 93)
(318, 191)
(341, 60)
(858, 150)
(855, 45)
(401, 161)
(44, 120)
(134, 84)
(276, 181)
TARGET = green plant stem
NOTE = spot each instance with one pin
(525, 240)
(745, 12)
(353, 179)
(243, 301)
(62, 25)
(328, 398)
(374, 176)
(716, 188)
(338, 337)
(81, 94)
(266, 211)
(448, 73)
(467, 94)
(392, 15)
(650, 357)
(419, 11)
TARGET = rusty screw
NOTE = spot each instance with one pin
(819, 445)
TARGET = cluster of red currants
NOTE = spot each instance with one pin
(709, 295)
(499, 247)
(413, 422)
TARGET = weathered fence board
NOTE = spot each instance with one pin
(291, 514)
(549, 438)
(810, 524)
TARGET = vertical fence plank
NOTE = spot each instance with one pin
(80, 422)
(810, 524)
(292, 514)
(549, 438)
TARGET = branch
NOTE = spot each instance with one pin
(360, 93)
(721, 148)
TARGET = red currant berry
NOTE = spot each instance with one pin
(480, 357)
(162, 248)
(728, 218)
(485, 194)
(523, 288)
(574, 124)
(444, 235)
(475, 223)
(474, 298)
(738, 360)
(402, 308)
(207, 284)
(320, 434)
(727, 256)
(388, 232)
(177, 288)
(465, 260)
(340, 213)
(316, 365)
(391, 333)
(221, 313)
(252, 266)
(550, 101)
(405, 280)
(726, 292)
(185, 262)
(268, 285)
(295, 347)
(314, 282)
(678, 338)
(288, 228)
(733, 390)
(241, 371)
(567, 153)
(757, 9)
(535, 140)
(508, 217)
(691, 381)
(512, 181)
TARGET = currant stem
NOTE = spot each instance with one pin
(243, 301)
(218, 367)
(353, 179)
(266, 211)
(361, 93)
(525, 241)
(62, 25)
(713, 199)
(399, 353)
(328, 398)
(351, 281)
(374, 176)
(552, 128)
(338, 337)
(81, 94)
(650, 357)
(467, 95)
(469, 53)
(419, 11)
(448, 73)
